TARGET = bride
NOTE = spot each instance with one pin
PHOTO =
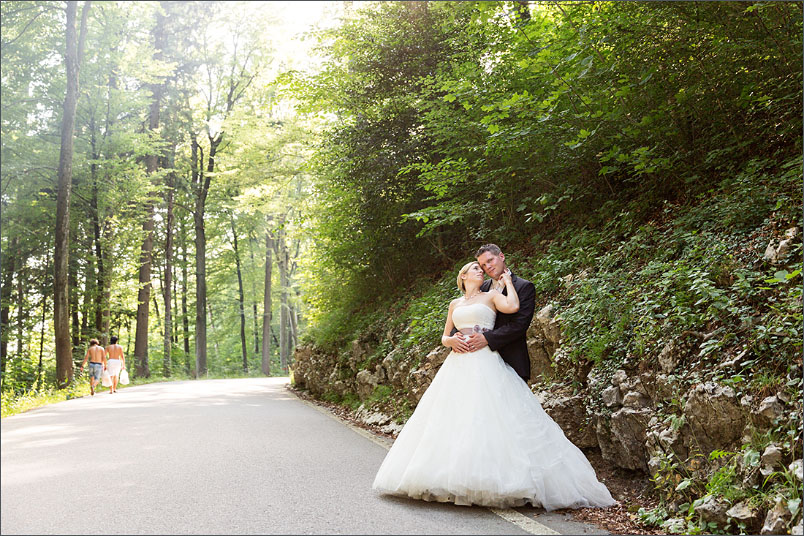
(478, 435)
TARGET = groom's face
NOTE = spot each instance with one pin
(493, 265)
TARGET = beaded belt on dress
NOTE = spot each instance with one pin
(475, 329)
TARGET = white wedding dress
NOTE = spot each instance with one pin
(479, 436)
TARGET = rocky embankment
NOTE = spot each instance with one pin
(671, 419)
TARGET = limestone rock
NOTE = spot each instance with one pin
(742, 512)
(797, 469)
(622, 437)
(769, 410)
(668, 357)
(540, 362)
(437, 356)
(713, 510)
(770, 459)
(612, 396)
(620, 377)
(798, 528)
(569, 412)
(777, 519)
(366, 382)
(635, 399)
(714, 415)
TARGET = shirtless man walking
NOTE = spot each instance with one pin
(97, 363)
(116, 361)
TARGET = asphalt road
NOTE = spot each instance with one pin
(211, 457)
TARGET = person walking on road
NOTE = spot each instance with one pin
(97, 363)
(116, 362)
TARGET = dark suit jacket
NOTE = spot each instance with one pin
(508, 335)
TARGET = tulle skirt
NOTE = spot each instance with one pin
(479, 436)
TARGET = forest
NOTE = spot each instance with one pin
(154, 187)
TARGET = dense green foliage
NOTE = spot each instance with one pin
(464, 123)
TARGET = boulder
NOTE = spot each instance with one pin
(366, 382)
(714, 415)
(569, 412)
(619, 378)
(743, 513)
(769, 410)
(771, 457)
(540, 362)
(777, 519)
(622, 437)
(796, 469)
(669, 357)
(635, 399)
(713, 510)
(437, 355)
(612, 396)
(546, 322)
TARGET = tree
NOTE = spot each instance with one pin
(73, 55)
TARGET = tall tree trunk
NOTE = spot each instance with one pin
(212, 325)
(5, 304)
(96, 236)
(61, 258)
(42, 329)
(242, 297)
(266, 305)
(282, 258)
(79, 328)
(168, 340)
(146, 253)
(184, 320)
(21, 316)
(254, 297)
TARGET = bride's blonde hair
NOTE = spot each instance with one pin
(462, 271)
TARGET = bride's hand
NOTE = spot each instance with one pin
(506, 278)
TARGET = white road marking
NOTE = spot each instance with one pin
(528, 524)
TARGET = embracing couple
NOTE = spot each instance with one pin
(479, 435)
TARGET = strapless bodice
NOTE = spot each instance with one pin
(474, 314)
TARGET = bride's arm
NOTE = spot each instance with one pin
(506, 304)
(456, 342)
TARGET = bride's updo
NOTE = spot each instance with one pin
(462, 271)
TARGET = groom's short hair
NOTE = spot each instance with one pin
(491, 248)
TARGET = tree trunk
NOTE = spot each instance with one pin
(21, 316)
(282, 257)
(254, 296)
(200, 291)
(212, 325)
(266, 305)
(96, 236)
(168, 340)
(79, 328)
(5, 300)
(61, 258)
(184, 320)
(146, 254)
(42, 330)
(242, 297)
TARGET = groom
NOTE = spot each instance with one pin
(508, 335)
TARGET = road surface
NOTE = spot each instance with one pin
(242, 456)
